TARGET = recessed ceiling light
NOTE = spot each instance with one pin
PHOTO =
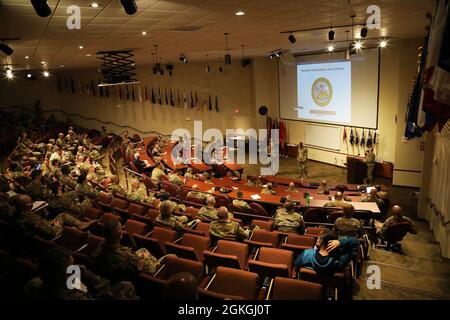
(330, 48)
(358, 45)
(46, 74)
(9, 75)
(62, 66)
(28, 75)
(240, 13)
(144, 33)
(42, 62)
(26, 57)
(383, 43)
(8, 71)
(94, 5)
(88, 54)
(80, 47)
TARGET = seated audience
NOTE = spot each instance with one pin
(241, 205)
(194, 193)
(338, 201)
(167, 218)
(397, 217)
(181, 287)
(268, 189)
(323, 187)
(347, 226)
(224, 228)
(286, 220)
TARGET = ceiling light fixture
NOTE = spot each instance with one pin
(292, 38)
(43, 62)
(331, 35)
(94, 5)
(330, 47)
(129, 6)
(29, 75)
(26, 57)
(358, 45)
(41, 7)
(183, 58)
(46, 74)
(144, 33)
(6, 49)
(240, 13)
(80, 47)
(383, 43)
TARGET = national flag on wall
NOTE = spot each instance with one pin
(217, 103)
(172, 101)
(166, 99)
(375, 138)
(185, 103)
(160, 102)
(197, 104)
(192, 101)
(209, 102)
(352, 137)
(153, 96)
(363, 139)
(146, 93)
(139, 94)
(369, 140)
(356, 137)
(344, 136)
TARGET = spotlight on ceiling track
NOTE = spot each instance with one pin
(6, 49)
(41, 7)
(129, 6)
(331, 35)
(358, 45)
(9, 73)
(291, 38)
(183, 58)
(363, 32)
(330, 47)
(46, 74)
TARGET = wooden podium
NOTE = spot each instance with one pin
(356, 170)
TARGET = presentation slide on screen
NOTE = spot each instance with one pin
(324, 92)
(328, 88)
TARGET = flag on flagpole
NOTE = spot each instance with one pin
(209, 102)
(160, 102)
(185, 103)
(369, 140)
(375, 138)
(146, 93)
(178, 99)
(356, 137)
(217, 103)
(132, 93)
(363, 139)
(197, 104)
(153, 96)
(100, 90)
(172, 101)
(352, 137)
(139, 94)
(344, 136)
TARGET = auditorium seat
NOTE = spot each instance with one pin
(293, 289)
(104, 201)
(119, 206)
(172, 189)
(263, 238)
(133, 226)
(318, 215)
(156, 248)
(21, 272)
(5, 260)
(190, 246)
(227, 253)
(73, 238)
(313, 231)
(191, 211)
(258, 209)
(107, 216)
(233, 282)
(149, 287)
(173, 265)
(334, 215)
(93, 243)
(152, 213)
(336, 281)
(272, 262)
(36, 246)
(92, 213)
(262, 224)
(134, 208)
(203, 227)
(298, 243)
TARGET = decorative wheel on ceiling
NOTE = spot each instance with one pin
(117, 67)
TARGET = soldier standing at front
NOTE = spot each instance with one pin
(370, 161)
(302, 156)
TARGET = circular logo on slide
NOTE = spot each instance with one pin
(322, 91)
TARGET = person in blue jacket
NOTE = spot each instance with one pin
(330, 255)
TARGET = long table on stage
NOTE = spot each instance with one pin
(144, 152)
(367, 206)
(167, 157)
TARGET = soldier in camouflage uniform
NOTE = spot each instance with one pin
(165, 198)
(370, 161)
(323, 187)
(194, 193)
(138, 194)
(291, 187)
(302, 157)
(224, 228)
(189, 174)
(241, 205)
(114, 185)
(268, 189)
(157, 172)
(119, 263)
(208, 212)
(61, 142)
(373, 197)
(31, 221)
(338, 201)
(347, 226)
(286, 220)
(51, 284)
(175, 179)
(397, 217)
(84, 189)
(167, 218)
